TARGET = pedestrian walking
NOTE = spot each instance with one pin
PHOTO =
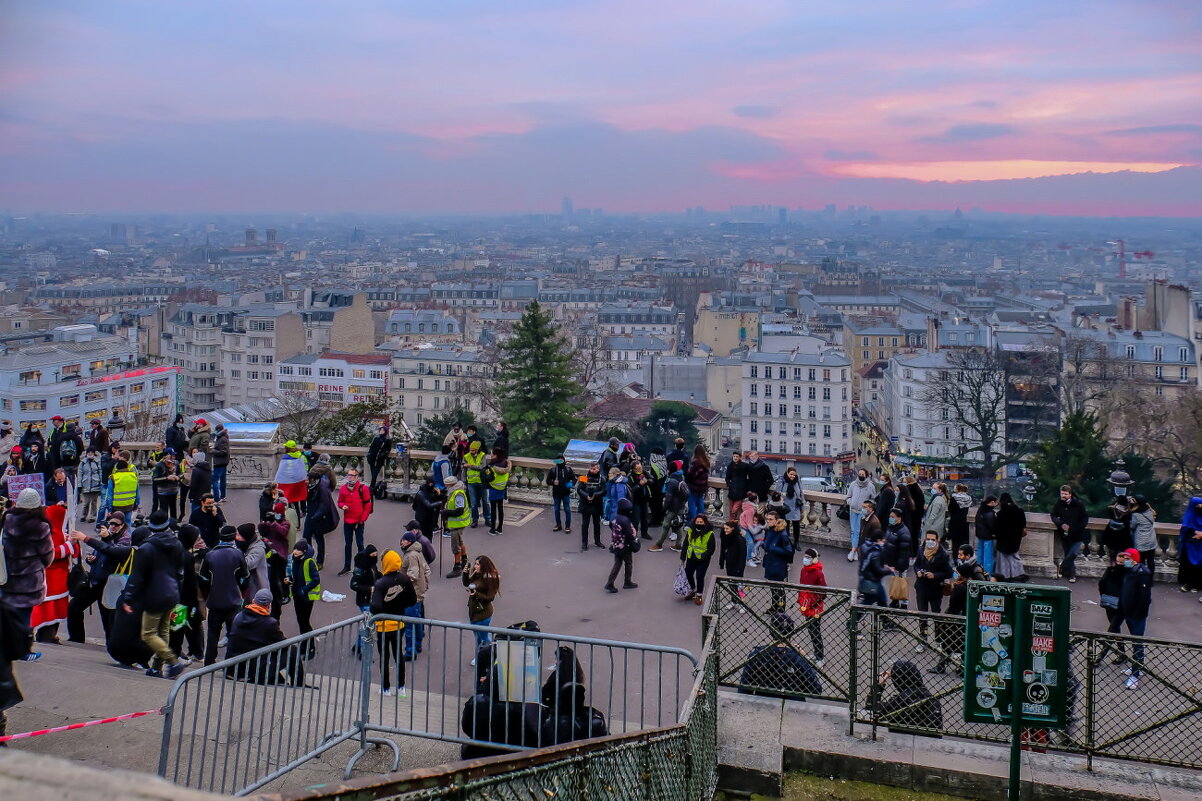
(222, 580)
(986, 531)
(221, 460)
(417, 568)
(676, 502)
(697, 477)
(792, 497)
(1143, 531)
(950, 636)
(154, 587)
(957, 517)
(89, 483)
(378, 453)
(932, 572)
(355, 501)
(858, 491)
(778, 555)
(812, 603)
(696, 551)
(873, 570)
(623, 543)
(937, 511)
(732, 551)
(1135, 602)
(736, 484)
(1071, 520)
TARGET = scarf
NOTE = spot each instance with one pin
(929, 548)
(262, 610)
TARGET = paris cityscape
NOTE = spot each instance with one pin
(588, 401)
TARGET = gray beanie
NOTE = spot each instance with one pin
(263, 597)
(29, 498)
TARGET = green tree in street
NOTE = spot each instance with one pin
(1078, 455)
(540, 399)
(436, 427)
(355, 424)
(666, 421)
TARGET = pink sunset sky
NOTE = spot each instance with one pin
(493, 106)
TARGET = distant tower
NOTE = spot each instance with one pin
(782, 216)
(271, 233)
(565, 208)
(252, 236)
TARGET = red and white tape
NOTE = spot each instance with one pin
(84, 725)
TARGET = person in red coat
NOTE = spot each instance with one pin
(354, 499)
(53, 610)
(812, 603)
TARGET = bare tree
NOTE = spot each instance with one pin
(1087, 376)
(1166, 430)
(299, 415)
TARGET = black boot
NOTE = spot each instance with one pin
(456, 571)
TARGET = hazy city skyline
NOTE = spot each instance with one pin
(482, 107)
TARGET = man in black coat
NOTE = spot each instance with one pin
(209, 519)
(377, 455)
(223, 577)
(759, 476)
(154, 583)
(66, 447)
(736, 483)
(1071, 519)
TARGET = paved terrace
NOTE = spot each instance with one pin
(545, 577)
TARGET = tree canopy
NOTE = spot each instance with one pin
(666, 421)
(540, 399)
(436, 427)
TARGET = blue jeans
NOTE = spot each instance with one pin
(475, 499)
(483, 638)
(873, 593)
(1136, 628)
(1068, 565)
(985, 552)
(415, 633)
(219, 482)
(696, 504)
(857, 516)
(564, 503)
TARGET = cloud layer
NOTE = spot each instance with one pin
(484, 107)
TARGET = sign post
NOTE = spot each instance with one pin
(1016, 660)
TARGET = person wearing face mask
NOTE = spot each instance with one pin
(932, 568)
(898, 551)
(1135, 602)
(950, 636)
(277, 535)
(873, 568)
(355, 501)
(89, 484)
(222, 580)
(378, 453)
(561, 479)
(860, 490)
(986, 531)
(778, 555)
(696, 552)
(957, 517)
(937, 509)
(254, 552)
(812, 604)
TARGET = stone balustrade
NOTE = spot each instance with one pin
(251, 465)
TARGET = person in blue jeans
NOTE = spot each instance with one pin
(482, 582)
(1135, 602)
(561, 480)
(697, 477)
(415, 566)
(986, 530)
(1071, 519)
(617, 488)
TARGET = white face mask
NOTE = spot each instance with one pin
(807, 561)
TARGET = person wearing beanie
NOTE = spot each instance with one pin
(417, 568)
(222, 580)
(610, 456)
(305, 580)
(1134, 604)
(28, 551)
(123, 493)
(392, 595)
(154, 588)
(200, 480)
(591, 492)
(109, 549)
(253, 628)
(456, 518)
(254, 552)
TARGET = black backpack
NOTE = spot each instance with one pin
(68, 451)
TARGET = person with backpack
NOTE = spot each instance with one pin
(873, 570)
(222, 580)
(65, 446)
(950, 636)
(590, 490)
(676, 502)
(363, 577)
(355, 501)
(154, 586)
(561, 480)
(28, 549)
(623, 544)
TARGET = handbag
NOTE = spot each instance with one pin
(946, 587)
(77, 579)
(179, 617)
(843, 512)
(114, 585)
(680, 585)
(899, 590)
(1108, 601)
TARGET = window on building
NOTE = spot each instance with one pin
(358, 373)
(909, 429)
(797, 430)
(1158, 354)
(767, 426)
(813, 412)
(797, 447)
(811, 393)
(304, 371)
(754, 391)
(30, 377)
(826, 393)
(1130, 351)
(782, 410)
(826, 432)
(252, 375)
(796, 393)
(1184, 374)
(33, 405)
(1159, 373)
(755, 408)
(813, 430)
(755, 371)
(235, 373)
(330, 372)
(826, 375)
(813, 449)
(268, 376)
(811, 373)
(377, 374)
(796, 373)
(68, 400)
(755, 444)
(797, 410)
(285, 370)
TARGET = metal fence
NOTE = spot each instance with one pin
(235, 726)
(672, 763)
(902, 670)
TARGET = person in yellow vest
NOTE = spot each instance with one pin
(457, 518)
(473, 469)
(123, 488)
(497, 476)
(305, 581)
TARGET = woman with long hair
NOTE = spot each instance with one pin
(789, 488)
(1010, 529)
(483, 582)
(697, 477)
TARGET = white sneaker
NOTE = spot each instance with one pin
(222, 642)
(752, 563)
(473, 663)
(918, 649)
(851, 556)
(401, 692)
(672, 537)
(819, 662)
(1133, 683)
(386, 691)
(1127, 671)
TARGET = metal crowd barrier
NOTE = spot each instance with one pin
(236, 726)
(765, 645)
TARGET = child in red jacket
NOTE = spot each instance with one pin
(812, 602)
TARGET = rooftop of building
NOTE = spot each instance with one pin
(827, 358)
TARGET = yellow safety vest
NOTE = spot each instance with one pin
(125, 489)
(500, 480)
(315, 593)
(697, 546)
(461, 517)
(473, 465)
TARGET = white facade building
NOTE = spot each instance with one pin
(335, 380)
(797, 408)
(433, 379)
(83, 375)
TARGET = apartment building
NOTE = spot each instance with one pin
(253, 342)
(433, 379)
(334, 379)
(797, 408)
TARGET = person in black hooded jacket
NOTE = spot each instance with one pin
(189, 596)
(912, 707)
(622, 546)
(569, 717)
(364, 576)
(154, 583)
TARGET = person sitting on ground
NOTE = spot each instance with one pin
(912, 707)
(254, 628)
(779, 670)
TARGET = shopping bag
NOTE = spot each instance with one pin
(899, 590)
(114, 585)
(680, 585)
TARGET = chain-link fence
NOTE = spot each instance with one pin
(1128, 697)
(234, 726)
(782, 640)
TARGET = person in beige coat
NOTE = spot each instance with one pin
(414, 564)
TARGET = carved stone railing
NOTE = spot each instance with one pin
(253, 464)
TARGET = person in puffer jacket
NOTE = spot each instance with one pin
(28, 551)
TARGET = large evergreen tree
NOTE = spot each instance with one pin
(666, 421)
(540, 399)
(1078, 455)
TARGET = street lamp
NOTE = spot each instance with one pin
(1030, 489)
(1120, 479)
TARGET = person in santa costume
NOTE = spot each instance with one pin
(52, 611)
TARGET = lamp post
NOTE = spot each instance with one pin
(1120, 479)
(1030, 489)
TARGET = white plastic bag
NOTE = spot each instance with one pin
(332, 597)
